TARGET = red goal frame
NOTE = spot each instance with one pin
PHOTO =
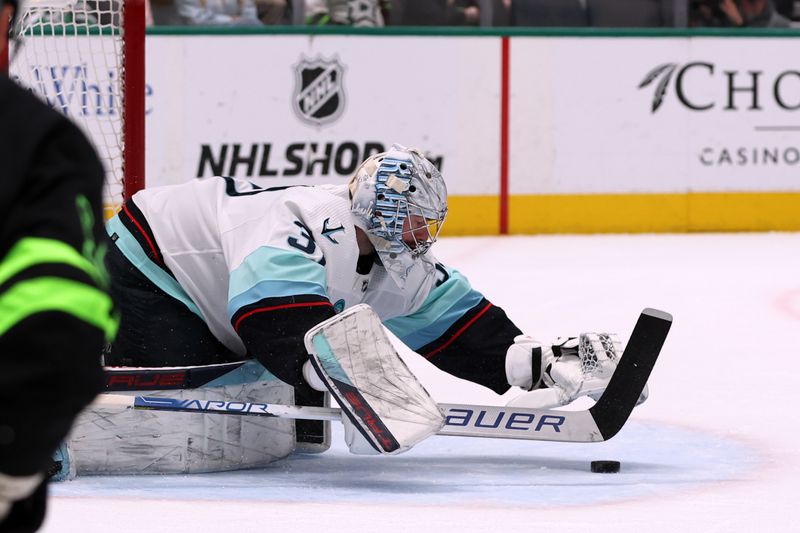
(133, 130)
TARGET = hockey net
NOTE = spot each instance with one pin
(85, 58)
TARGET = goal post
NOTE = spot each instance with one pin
(134, 105)
(85, 59)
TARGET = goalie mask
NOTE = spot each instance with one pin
(400, 200)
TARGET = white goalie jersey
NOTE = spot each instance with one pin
(262, 266)
(228, 244)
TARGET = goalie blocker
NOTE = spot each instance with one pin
(383, 403)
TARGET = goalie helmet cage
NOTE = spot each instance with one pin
(85, 58)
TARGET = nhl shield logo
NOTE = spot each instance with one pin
(319, 93)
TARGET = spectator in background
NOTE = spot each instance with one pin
(784, 7)
(231, 12)
(736, 14)
(714, 14)
(357, 13)
(271, 12)
(440, 13)
(501, 12)
(761, 14)
(463, 13)
(554, 13)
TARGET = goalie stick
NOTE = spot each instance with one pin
(598, 423)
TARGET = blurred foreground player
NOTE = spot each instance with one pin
(220, 270)
(55, 314)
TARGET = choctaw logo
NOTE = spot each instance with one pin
(665, 73)
(319, 94)
(700, 86)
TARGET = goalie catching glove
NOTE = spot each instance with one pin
(560, 373)
(383, 402)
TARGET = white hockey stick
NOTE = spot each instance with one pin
(461, 420)
(154, 403)
(598, 423)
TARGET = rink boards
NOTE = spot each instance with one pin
(534, 133)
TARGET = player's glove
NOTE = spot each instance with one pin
(564, 366)
(531, 365)
(563, 370)
(524, 362)
(22, 502)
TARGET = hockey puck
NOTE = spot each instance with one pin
(605, 467)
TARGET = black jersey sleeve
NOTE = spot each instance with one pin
(460, 331)
(272, 330)
(474, 347)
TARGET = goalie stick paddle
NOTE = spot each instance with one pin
(598, 423)
(615, 405)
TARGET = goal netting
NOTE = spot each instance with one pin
(85, 58)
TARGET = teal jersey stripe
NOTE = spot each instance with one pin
(444, 306)
(273, 289)
(328, 360)
(271, 272)
(250, 372)
(131, 249)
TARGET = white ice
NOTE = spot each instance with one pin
(715, 448)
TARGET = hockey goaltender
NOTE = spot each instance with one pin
(219, 281)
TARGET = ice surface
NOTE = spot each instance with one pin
(715, 448)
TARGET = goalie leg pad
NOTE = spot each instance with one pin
(383, 400)
(157, 442)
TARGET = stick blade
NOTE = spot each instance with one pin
(615, 405)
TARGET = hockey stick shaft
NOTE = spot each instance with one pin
(460, 419)
(152, 403)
